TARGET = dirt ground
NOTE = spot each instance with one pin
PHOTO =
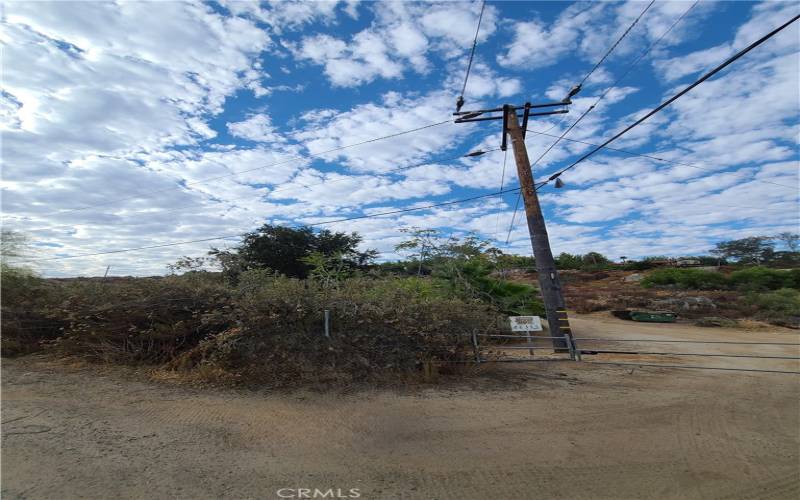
(523, 430)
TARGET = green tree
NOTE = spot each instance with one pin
(568, 261)
(755, 249)
(464, 266)
(286, 250)
(421, 246)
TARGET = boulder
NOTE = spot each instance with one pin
(684, 304)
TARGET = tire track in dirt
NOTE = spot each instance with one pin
(598, 432)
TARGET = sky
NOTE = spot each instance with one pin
(130, 124)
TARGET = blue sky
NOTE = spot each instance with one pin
(117, 114)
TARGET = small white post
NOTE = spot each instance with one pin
(529, 340)
(327, 323)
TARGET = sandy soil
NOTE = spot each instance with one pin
(533, 430)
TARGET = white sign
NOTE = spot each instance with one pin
(525, 323)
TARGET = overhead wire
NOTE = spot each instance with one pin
(307, 186)
(662, 106)
(460, 101)
(239, 172)
(613, 47)
(672, 99)
(652, 157)
(574, 91)
(322, 223)
(452, 202)
(502, 180)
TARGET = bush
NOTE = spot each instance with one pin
(780, 306)
(762, 278)
(695, 279)
(141, 320)
(378, 328)
(268, 328)
(29, 317)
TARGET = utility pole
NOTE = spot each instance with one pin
(549, 284)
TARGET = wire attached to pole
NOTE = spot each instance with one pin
(460, 101)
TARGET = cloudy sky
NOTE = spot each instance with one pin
(129, 124)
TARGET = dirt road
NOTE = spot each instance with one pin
(552, 430)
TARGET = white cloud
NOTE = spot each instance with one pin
(402, 37)
(256, 128)
(366, 121)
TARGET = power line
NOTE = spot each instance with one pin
(622, 77)
(553, 177)
(657, 158)
(502, 179)
(308, 186)
(611, 49)
(662, 106)
(239, 172)
(669, 101)
(460, 101)
(574, 91)
(368, 216)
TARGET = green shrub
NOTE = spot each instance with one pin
(762, 278)
(781, 306)
(696, 279)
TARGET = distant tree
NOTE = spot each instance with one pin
(569, 261)
(286, 250)
(790, 240)
(421, 245)
(591, 260)
(594, 258)
(754, 249)
(13, 245)
(188, 264)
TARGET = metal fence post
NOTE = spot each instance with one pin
(575, 349)
(475, 346)
(529, 340)
(327, 323)
(570, 346)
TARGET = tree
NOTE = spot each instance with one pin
(424, 242)
(569, 261)
(595, 259)
(790, 240)
(754, 249)
(286, 250)
(188, 264)
(13, 245)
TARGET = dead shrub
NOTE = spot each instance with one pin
(144, 320)
(379, 329)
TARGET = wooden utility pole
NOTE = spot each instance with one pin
(549, 284)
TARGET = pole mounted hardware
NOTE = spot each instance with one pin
(481, 115)
(476, 153)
